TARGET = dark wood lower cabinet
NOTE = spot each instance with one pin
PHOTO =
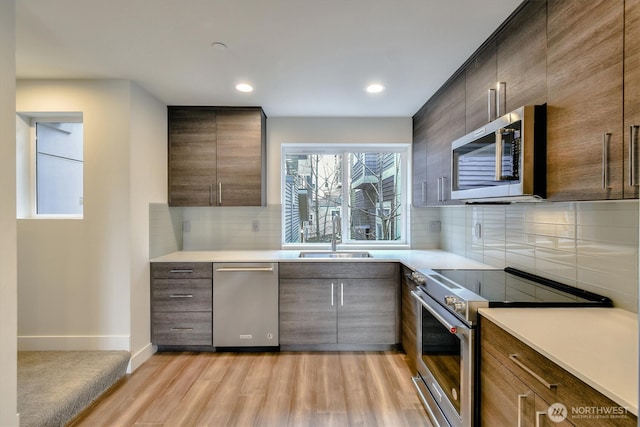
(409, 319)
(181, 304)
(339, 304)
(530, 390)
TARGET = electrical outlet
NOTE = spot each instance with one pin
(435, 226)
(255, 225)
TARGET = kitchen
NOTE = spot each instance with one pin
(582, 242)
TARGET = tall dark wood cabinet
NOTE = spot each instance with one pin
(522, 59)
(631, 130)
(584, 93)
(445, 123)
(480, 77)
(217, 156)
(419, 158)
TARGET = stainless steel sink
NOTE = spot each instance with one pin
(335, 254)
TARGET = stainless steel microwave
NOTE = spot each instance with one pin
(504, 161)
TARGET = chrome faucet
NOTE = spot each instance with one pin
(337, 229)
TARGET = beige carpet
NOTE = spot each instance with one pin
(54, 386)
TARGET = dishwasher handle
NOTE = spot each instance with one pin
(244, 269)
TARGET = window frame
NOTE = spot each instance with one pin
(345, 149)
(33, 171)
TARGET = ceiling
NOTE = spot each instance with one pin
(303, 57)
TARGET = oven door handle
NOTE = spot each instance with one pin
(454, 329)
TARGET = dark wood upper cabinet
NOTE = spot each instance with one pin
(480, 77)
(419, 158)
(631, 97)
(240, 160)
(584, 99)
(522, 58)
(445, 124)
(192, 156)
(217, 156)
(439, 122)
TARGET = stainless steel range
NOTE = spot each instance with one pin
(447, 318)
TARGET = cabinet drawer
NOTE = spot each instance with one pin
(181, 270)
(338, 270)
(535, 370)
(181, 295)
(190, 328)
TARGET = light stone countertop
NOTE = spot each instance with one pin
(597, 345)
(415, 259)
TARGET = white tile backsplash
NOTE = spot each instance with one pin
(593, 245)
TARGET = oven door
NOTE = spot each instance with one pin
(445, 364)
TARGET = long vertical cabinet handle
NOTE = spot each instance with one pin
(633, 158)
(220, 193)
(341, 294)
(491, 105)
(501, 98)
(331, 294)
(424, 192)
(439, 188)
(520, 398)
(210, 194)
(539, 415)
(606, 140)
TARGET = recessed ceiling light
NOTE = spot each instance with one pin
(244, 87)
(375, 88)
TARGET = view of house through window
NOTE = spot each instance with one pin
(59, 168)
(365, 188)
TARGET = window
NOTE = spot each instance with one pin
(365, 187)
(49, 164)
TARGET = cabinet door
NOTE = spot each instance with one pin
(419, 158)
(409, 319)
(631, 96)
(480, 77)
(240, 168)
(192, 156)
(367, 311)
(445, 123)
(584, 95)
(307, 312)
(504, 399)
(522, 58)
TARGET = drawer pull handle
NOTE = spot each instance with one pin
(179, 271)
(182, 329)
(181, 296)
(514, 359)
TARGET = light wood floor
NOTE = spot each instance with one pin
(263, 389)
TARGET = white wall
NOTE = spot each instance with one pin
(8, 282)
(148, 185)
(81, 281)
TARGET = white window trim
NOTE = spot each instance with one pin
(33, 202)
(339, 148)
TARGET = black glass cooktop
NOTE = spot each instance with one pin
(515, 288)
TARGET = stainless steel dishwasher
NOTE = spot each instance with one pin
(245, 305)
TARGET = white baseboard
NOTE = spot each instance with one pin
(140, 356)
(73, 342)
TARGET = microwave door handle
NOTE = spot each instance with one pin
(499, 155)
